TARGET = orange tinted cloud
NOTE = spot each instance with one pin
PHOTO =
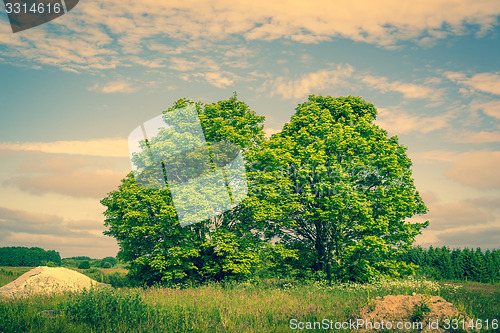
(400, 122)
(93, 183)
(485, 82)
(409, 90)
(477, 169)
(111, 147)
(309, 83)
(117, 30)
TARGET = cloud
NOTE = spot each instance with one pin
(13, 221)
(491, 203)
(484, 82)
(491, 108)
(429, 197)
(473, 222)
(476, 137)
(53, 232)
(68, 175)
(75, 183)
(118, 32)
(382, 23)
(118, 86)
(51, 164)
(409, 90)
(218, 79)
(309, 83)
(183, 65)
(456, 214)
(110, 147)
(221, 79)
(483, 237)
(433, 156)
(478, 169)
(400, 122)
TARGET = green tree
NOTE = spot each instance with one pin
(458, 272)
(84, 265)
(465, 263)
(479, 268)
(144, 220)
(444, 263)
(334, 182)
(110, 260)
(23, 256)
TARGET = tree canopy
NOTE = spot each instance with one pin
(339, 188)
(145, 221)
(23, 256)
(330, 193)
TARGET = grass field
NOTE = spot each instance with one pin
(9, 274)
(256, 306)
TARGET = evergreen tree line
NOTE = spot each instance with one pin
(23, 256)
(457, 264)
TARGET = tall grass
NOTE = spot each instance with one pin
(252, 306)
(9, 274)
(115, 279)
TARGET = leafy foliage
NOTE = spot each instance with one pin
(23, 256)
(331, 188)
(84, 264)
(144, 221)
(333, 182)
(108, 261)
(420, 311)
(458, 264)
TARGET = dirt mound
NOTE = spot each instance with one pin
(44, 280)
(405, 313)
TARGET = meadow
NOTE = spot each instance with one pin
(259, 305)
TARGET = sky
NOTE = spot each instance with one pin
(72, 90)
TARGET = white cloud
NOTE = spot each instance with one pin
(53, 232)
(409, 90)
(432, 156)
(75, 183)
(456, 214)
(117, 147)
(478, 169)
(220, 79)
(156, 63)
(491, 108)
(118, 86)
(484, 82)
(309, 83)
(183, 65)
(115, 32)
(400, 122)
(476, 137)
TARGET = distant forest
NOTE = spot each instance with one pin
(436, 263)
(445, 264)
(23, 256)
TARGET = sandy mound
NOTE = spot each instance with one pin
(402, 313)
(43, 280)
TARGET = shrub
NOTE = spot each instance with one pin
(99, 308)
(110, 260)
(84, 264)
